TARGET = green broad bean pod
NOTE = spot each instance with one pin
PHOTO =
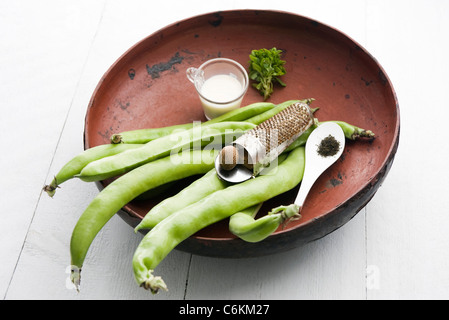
(196, 137)
(77, 163)
(143, 136)
(156, 192)
(167, 234)
(246, 227)
(146, 135)
(127, 187)
(243, 113)
(353, 132)
(194, 192)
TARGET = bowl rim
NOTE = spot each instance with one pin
(376, 177)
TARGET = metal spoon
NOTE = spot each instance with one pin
(239, 174)
(316, 164)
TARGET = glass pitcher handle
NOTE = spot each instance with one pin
(193, 74)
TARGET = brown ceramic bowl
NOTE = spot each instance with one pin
(147, 87)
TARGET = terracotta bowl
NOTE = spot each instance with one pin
(147, 87)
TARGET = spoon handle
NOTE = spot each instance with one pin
(306, 185)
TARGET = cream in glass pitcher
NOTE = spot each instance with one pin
(221, 84)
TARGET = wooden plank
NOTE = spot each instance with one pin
(51, 62)
(42, 56)
(407, 220)
(108, 271)
(329, 268)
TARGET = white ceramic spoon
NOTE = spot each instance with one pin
(316, 164)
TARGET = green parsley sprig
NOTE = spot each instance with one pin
(265, 68)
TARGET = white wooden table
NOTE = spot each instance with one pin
(52, 55)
